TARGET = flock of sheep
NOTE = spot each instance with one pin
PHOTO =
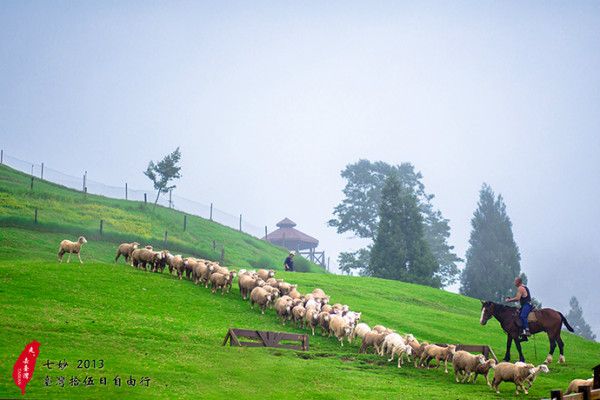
(312, 311)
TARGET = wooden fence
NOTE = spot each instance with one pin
(266, 339)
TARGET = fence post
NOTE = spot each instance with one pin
(35, 217)
(31, 186)
(100, 227)
(85, 193)
(211, 211)
(184, 222)
(1, 156)
(165, 239)
(145, 199)
(84, 179)
(42, 177)
(266, 232)
(125, 190)
(240, 222)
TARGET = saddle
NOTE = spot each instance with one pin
(530, 317)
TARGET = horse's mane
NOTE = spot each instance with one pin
(500, 307)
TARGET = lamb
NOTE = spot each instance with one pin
(465, 363)
(219, 281)
(395, 344)
(126, 249)
(371, 339)
(283, 307)
(507, 372)
(536, 371)
(298, 313)
(576, 383)
(484, 370)
(261, 297)
(264, 274)
(340, 328)
(432, 351)
(312, 318)
(359, 331)
(66, 246)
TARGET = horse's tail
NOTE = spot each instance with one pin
(564, 320)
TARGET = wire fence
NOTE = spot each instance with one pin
(126, 193)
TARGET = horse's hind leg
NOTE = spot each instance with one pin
(561, 347)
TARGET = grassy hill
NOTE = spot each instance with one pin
(156, 327)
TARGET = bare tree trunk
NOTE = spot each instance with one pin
(156, 201)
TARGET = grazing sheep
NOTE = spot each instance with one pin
(484, 370)
(66, 246)
(371, 339)
(359, 331)
(283, 307)
(536, 371)
(432, 351)
(324, 318)
(575, 383)
(247, 283)
(126, 249)
(508, 372)
(261, 297)
(264, 274)
(298, 313)
(465, 363)
(312, 318)
(219, 281)
(340, 328)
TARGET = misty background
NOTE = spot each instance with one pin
(269, 101)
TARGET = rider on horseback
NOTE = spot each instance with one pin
(524, 297)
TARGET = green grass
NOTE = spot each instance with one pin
(171, 331)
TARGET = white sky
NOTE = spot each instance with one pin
(269, 101)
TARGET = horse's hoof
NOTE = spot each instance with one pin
(561, 359)
(548, 359)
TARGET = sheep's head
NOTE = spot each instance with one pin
(211, 267)
(452, 348)
(492, 363)
(543, 368)
(82, 239)
(481, 359)
(135, 245)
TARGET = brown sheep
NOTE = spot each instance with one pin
(283, 307)
(432, 351)
(324, 318)
(261, 297)
(312, 319)
(340, 328)
(465, 363)
(369, 339)
(247, 283)
(298, 313)
(219, 281)
(485, 370)
(264, 274)
(66, 246)
(508, 372)
(125, 249)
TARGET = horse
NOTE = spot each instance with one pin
(548, 320)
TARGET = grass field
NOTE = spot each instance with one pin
(169, 332)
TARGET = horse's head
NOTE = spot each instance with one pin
(487, 311)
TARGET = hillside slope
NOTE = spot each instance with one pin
(155, 326)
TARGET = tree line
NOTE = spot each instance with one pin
(388, 205)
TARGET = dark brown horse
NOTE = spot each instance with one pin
(548, 320)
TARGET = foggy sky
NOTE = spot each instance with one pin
(269, 101)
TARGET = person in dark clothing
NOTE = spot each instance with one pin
(524, 297)
(289, 262)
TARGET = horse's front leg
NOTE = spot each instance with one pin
(508, 344)
(521, 358)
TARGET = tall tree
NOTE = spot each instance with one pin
(493, 259)
(575, 318)
(400, 251)
(163, 172)
(359, 212)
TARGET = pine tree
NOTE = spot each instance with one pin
(400, 251)
(493, 259)
(575, 318)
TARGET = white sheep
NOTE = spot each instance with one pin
(395, 344)
(432, 351)
(508, 372)
(359, 331)
(484, 370)
(66, 246)
(536, 371)
(465, 363)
